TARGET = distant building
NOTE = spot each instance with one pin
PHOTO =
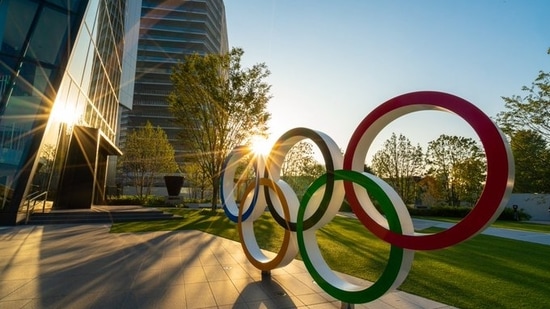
(170, 30)
(66, 69)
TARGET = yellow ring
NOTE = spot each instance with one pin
(246, 234)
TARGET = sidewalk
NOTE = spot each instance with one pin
(539, 238)
(534, 237)
(85, 266)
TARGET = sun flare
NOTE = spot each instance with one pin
(260, 145)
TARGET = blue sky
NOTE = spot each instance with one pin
(332, 62)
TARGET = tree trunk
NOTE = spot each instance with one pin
(215, 192)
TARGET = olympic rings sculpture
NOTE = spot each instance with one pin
(344, 178)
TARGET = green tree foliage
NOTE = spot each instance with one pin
(531, 157)
(147, 155)
(300, 169)
(197, 180)
(219, 105)
(458, 166)
(430, 194)
(525, 113)
(530, 111)
(400, 163)
(468, 175)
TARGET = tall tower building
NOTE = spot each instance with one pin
(64, 73)
(169, 30)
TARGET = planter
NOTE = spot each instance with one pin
(173, 184)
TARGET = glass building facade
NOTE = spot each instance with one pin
(66, 68)
(169, 30)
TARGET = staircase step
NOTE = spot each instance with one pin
(91, 216)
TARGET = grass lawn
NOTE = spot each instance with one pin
(483, 272)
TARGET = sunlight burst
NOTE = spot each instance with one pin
(260, 145)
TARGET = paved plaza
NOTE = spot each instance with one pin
(85, 266)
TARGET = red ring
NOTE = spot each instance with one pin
(500, 167)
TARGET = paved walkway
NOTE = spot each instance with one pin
(85, 266)
(534, 237)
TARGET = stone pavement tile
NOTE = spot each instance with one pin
(152, 297)
(174, 297)
(215, 273)
(278, 295)
(281, 303)
(194, 275)
(331, 305)
(289, 283)
(199, 295)
(225, 293)
(14, 304)
(169, 277)
(171, 261)
(250, 290)
(306, 279)
(19, 234)
(21, 272)
(191, 261)
(223, 256)
(208, 260)
(235, 271)
(43, 302)
(9, 286)
(235, 306)
(252, 271)
(380, 304)
(84, 301)
(147, 276)
(111, 300)
(312, 299)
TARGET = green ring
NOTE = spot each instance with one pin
(392, 270)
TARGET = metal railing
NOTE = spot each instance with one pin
(33, 198)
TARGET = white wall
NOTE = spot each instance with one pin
(536, 205)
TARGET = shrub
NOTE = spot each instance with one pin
(147, 201)
(125, 200)
(508, 215)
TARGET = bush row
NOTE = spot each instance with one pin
(148, 201)
(440, 211)
(454, 212)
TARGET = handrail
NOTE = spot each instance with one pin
(33, 197)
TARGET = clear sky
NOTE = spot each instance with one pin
(332, 62)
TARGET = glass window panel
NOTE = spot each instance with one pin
(88, 113)
(6, 68)
(17, 16)
(32, 80)
(91, 16)
(87, 69)
(49, 38)
(81, 107)
(71, 5)
(79, 53)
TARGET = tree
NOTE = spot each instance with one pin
(198, 181)
(430, 194)
(531, 157)
(147, 154)
(531, 111)
(468, 175)
(458, 166)
(398, 163)
(300, 169)
(218, 105)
